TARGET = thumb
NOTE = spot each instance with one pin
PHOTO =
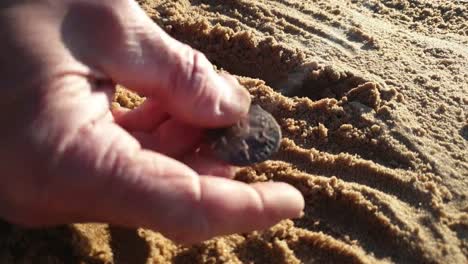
(132, 50)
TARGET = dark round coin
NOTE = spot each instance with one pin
(253, 139)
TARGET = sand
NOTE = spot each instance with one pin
(372, 98)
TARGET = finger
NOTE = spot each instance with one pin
(226, 207)
(176, 138)
(136, 53)
(144, 118)
(183, 147)
(109, 117)
(172, 138)
(207, 165)
(118, 111)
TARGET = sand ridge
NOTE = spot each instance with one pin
(372, 100)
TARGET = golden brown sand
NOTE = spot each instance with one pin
(372, 97)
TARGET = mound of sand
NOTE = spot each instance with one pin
(372, 97)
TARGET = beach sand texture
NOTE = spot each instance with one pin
(372, 99)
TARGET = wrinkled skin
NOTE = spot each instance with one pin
(65, 157)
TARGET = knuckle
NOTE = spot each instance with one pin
(191, 74)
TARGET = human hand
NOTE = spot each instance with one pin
(65, 157)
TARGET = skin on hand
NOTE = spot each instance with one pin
(66, 158)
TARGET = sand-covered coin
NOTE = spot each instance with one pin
(253, 139)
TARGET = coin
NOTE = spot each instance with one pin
(252, 139)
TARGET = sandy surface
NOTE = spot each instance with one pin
(372, 97)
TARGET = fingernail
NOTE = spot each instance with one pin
(283, 200)
(235, 101)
